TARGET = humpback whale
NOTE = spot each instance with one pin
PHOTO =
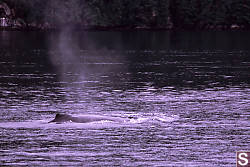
(84, 118)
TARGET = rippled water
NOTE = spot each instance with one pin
(187, 106)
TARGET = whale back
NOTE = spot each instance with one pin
(84, 118)
(61, 118)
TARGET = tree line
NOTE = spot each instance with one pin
(183, 14)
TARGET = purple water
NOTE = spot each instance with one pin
(187, 107)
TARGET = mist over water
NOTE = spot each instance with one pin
(187, 97)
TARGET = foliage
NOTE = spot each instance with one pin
(202, 13)
(60, 12)
(131, 14)
(240, 12)
(127, 13)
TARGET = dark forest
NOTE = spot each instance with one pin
(147, 14)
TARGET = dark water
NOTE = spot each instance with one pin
(188, 94)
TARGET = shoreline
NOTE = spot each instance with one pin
(125, 28)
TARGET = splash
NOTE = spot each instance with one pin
(159, 118)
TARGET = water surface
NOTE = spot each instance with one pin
(186, 92)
